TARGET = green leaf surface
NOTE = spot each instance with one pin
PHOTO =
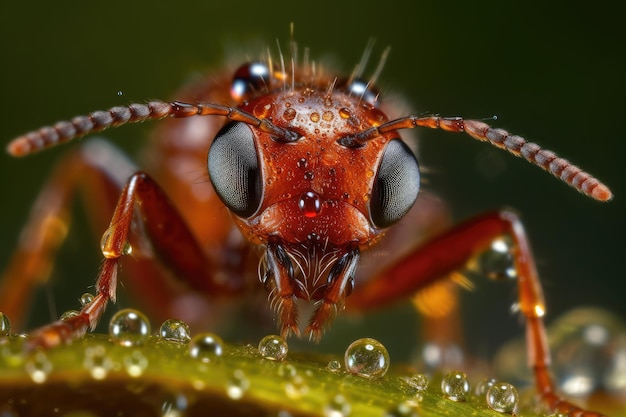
(94, 377)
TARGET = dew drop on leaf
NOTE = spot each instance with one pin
(367, 358)
(129, 327)
(455, 386)
(175, 331)
(273, 347)
(206, 347)
(502, 397)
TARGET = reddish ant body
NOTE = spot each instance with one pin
(312, 171)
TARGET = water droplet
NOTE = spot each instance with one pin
(344, 113)
(97, 362)
(296, 387)
(12, 354)
(127, 249)
(85, 299)
(502, 397)
(273, 347)
(206, 347)
(401, 410)
(39, 367)
(175, 331)
(287, 371)
(5, 325)
(338, 406)
(135, 363)
(310, 204)
(497, 263)
(290, 114)
(238, 384)
(419, 382)
(129, 327)
(328, 116)
(302, 163)
(483, 386)
(120, 93)
(69, 314)
(315, 117)
(367, 358)
(262, 110)
(334, 366)
(455, 386)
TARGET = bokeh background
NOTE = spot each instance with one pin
(552, 72)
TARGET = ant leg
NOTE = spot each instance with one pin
(170, 239)
(93, 167)
(450, 251)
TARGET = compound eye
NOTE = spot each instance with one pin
(360, 88)
(396, 184)
(249, 79)
(234, 169)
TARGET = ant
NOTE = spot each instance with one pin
(307, 171)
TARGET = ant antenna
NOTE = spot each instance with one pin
(97, 121)
(516, 145)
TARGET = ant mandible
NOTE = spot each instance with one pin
(312, 171)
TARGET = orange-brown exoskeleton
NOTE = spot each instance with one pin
(307, 171)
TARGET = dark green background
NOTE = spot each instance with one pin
(553, 73)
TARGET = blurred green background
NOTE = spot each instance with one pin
(553, 73)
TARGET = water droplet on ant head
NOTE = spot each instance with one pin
(367, 358)
(502, 397)
(290, 114)
(39, 367)
(273, 347)
(344, 113)
(455, 386)
(5, 325)
(302, 163)
(129, 327)
(175, 330)
(310, 204)
(238, 384)
(206, 347)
